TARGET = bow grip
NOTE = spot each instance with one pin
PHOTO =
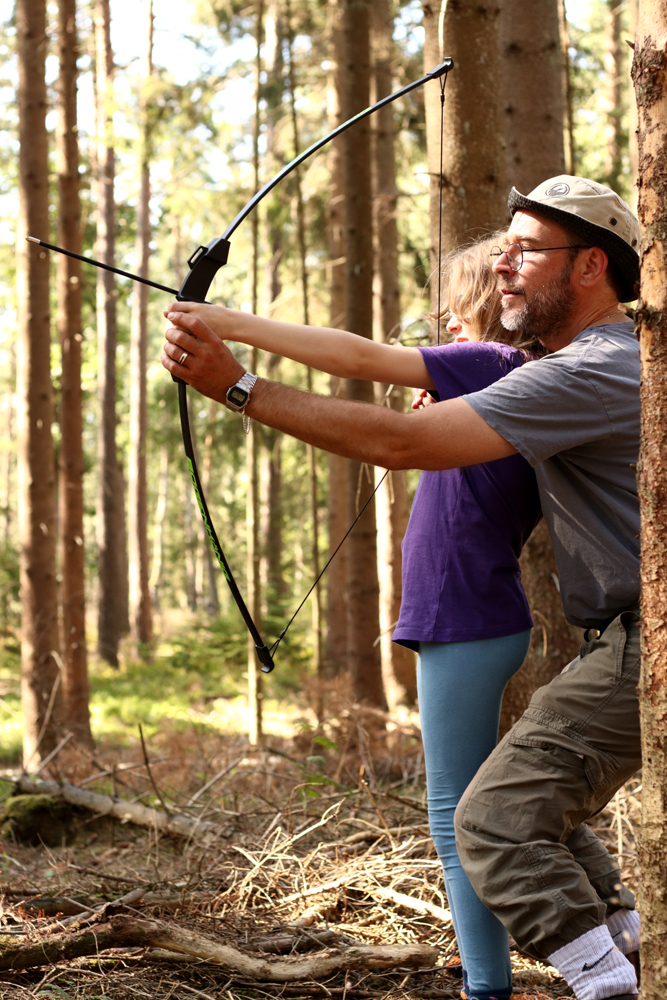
(204, 263)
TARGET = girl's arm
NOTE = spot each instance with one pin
(326, 349)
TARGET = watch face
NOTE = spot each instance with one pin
(237, 396)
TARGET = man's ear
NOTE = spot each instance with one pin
(591, 266)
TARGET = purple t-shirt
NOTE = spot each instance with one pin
(461, 575)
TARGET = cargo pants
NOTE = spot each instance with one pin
(519, 825)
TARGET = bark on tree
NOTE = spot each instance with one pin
(213, 603)
(155, 581)
(398, 662)
(40, 677)
(71, 457)
(252, 448)
(568, 123)
(633, 121)
(649, 72)
(316, 596)
(534, 105)
(108, 500)
(274, 586)
(335, 648)
(139, 593)
(554, 642)
(474, 192)
(7, 450)
(533, 99)
(363, 622)
(613, 63)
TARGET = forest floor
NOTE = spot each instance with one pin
(322, 837)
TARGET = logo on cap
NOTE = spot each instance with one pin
(557, 189)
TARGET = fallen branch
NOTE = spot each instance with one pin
(129, 932)
(128, 812)
(421, 905)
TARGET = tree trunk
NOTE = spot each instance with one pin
(568, 123)
(363, 621)
(554, 642)
(335, 649)
(533, 100)
(633, 121)
(36, 476)
(316, 596)
(252, 448)
(155, 581)
(109, 557)
(613, 63)
(72, 553)
(7, 451)
(398, 662)
(139, 593)
(213, 603)
(273, 584)
(474, 188)
(649, 72)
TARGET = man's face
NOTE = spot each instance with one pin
(539, 299)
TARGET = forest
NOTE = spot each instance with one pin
(176, 820)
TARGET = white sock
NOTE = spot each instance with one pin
(594, 967)
(624, 928)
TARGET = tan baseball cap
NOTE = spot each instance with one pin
(596, 214)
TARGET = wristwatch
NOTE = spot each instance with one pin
(238, 396)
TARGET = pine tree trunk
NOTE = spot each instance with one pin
(155, 582)
(392, 506)
(139, 593)
(274, 586)
(335, 648)
(534, 106)
(71, 458)
(108, 541)
(633, 120)
(474, 190)
(213, 603)
(316, 596)
(613, 63)
(7, 450)
(363, 621)
(649, 72)
(40, 677)
(533, 99)
(554, 642)
(252, 447)
(568, 122)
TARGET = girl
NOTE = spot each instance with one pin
(464, 610)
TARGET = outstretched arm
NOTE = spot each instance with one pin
(327, 349)
(445, 436)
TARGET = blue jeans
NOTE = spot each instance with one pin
(460, 687)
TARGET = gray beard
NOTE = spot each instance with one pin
(544, 316)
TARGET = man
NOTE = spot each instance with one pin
(571, 256)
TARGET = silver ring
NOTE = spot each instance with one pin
(182, 358)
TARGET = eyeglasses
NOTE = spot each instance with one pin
(515, 252)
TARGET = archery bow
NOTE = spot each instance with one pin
(204, 264)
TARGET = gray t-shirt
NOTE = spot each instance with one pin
(574, 415)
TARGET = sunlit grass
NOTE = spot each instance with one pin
(196, 677)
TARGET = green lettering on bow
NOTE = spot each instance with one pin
(207, 523)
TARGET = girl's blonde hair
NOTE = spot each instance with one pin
(470, 291)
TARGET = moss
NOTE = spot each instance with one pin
(37, 819)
